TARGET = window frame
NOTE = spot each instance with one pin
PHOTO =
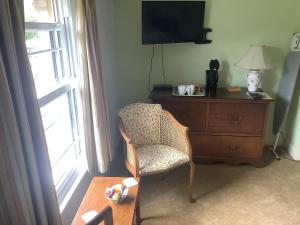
(68, 86)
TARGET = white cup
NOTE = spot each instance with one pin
(182, 89)
(190, 89)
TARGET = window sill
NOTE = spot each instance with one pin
(73, 198)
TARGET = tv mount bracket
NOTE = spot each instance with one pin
(203, 36)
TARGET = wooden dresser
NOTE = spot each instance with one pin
(227, 128)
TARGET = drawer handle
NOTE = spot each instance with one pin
(237, 120)
(236, 148)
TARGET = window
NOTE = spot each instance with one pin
(50, 50)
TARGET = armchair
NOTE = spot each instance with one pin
(155, 141)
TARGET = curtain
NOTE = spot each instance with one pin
(96, 125)
(27, 193)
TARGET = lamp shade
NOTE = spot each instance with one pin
(255, 59)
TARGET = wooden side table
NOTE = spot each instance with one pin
(95, 199)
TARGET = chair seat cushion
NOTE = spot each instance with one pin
(155, 158)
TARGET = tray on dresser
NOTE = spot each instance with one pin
(200, 93)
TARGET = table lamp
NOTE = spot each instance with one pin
(256, 61)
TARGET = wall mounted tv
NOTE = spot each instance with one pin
(172, 21)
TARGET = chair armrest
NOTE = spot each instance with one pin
(175, 134)
(175, 122)
(123, 133)
(131, 161)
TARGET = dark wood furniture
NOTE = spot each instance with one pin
(105, 216)
(95, 199)
(227, 128)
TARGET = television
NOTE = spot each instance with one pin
(172, 21)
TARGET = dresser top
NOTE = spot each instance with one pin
(222, 95)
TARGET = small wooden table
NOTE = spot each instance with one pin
(94, 199)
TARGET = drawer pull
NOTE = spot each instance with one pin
(236, 148)
(237, 120)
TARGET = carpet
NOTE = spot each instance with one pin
(226, 195)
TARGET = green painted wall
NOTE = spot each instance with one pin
(236, 24)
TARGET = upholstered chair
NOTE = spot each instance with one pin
(155, 141)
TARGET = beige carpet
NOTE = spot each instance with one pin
(226, 195)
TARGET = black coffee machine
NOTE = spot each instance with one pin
(212, 78)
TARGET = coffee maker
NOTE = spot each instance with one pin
(212, 77)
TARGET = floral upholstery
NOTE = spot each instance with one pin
(154, 158)
(142, 123)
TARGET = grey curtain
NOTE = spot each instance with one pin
(96, 125)
(27, 192)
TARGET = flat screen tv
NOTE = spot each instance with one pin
(172, 21)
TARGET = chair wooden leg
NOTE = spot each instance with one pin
(191, 181)
(137, 211)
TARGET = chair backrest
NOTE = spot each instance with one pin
(105, 215)
(142, 123)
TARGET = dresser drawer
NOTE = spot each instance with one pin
(192, 115)
(226, 146)
(238, 118)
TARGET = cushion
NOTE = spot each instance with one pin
(154, 158)
(142, 123)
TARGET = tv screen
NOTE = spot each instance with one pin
(172, 21)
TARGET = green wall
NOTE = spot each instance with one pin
(236, 24)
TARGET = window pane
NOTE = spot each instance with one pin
(64, 165)
(37, 41)
(57, 122)
(65, 66)
(45, 77)
(39, 11)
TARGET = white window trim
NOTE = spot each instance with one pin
(72, 200)
(39, 26)
(70, 181)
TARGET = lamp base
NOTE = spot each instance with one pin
(253, 80)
